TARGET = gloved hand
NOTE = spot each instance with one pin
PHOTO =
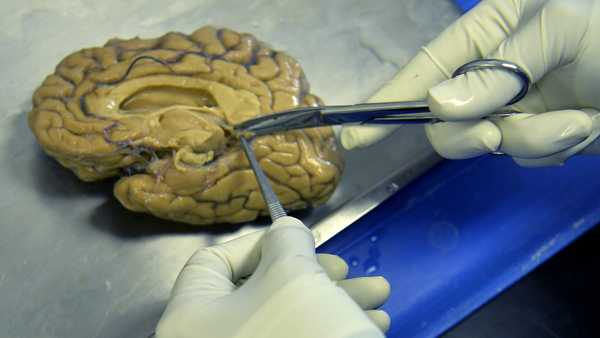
(557, 43)
(291, 293)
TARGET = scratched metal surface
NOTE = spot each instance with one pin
(73, 262)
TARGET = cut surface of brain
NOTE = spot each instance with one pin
(158, 114)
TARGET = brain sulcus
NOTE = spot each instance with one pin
(158, 113)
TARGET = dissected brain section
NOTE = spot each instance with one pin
(158, 113)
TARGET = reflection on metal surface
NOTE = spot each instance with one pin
(356, 207)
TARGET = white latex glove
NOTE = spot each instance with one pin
(557, 42)
(291, 293)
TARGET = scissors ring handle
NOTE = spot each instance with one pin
(500, 65)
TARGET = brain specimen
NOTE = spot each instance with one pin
(158, 114)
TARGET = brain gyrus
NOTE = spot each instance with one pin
(157, 113)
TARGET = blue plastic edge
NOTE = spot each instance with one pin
(536, 213)
(466, 5)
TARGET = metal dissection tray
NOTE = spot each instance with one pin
(73, 262)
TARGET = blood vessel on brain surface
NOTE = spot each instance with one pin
(156, 112)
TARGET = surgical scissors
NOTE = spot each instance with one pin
(406, 112)
(368, 113)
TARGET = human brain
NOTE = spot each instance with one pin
(158, 114)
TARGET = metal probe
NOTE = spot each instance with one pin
(275, 208)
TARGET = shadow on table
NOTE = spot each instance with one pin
(54, 186)
(113, 218)
(28, 167)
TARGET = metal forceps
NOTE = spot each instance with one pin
(273, 204)
(408, 112)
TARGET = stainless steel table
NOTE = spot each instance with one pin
(73, 262)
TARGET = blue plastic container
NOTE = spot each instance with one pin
(465, 5)
(458, 236)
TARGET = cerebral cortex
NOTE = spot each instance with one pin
(158, 113)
